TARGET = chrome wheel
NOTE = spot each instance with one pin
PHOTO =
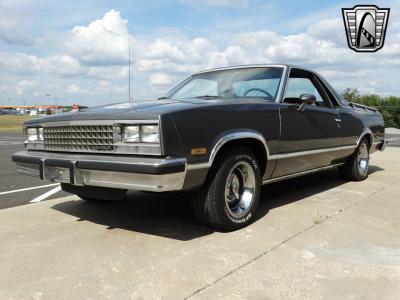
(363, 159)
(240, 189)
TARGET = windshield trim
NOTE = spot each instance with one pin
(240, 67)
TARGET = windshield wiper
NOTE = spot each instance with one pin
(207, 97)
(162, 98)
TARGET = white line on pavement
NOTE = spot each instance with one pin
(9, 143)
(46, 195)
(28, 189)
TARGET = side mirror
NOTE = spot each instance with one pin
(306, 99)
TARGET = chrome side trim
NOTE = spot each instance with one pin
(300, 174)
(363, 134)
(223, 141)
(310, 152)
(269, 157)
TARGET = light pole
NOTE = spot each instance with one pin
(23, 99)
(55, 100)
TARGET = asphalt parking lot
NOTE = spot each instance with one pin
(14, 188)
(315, 237)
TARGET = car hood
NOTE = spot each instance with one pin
(138, 110)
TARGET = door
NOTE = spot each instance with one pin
(309, 137)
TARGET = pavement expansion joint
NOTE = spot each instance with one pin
(339, 211)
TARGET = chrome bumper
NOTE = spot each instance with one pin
(123, 172)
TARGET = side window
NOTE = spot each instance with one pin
(242, 88)
(298, 86)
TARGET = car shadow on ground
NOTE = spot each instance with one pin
(169, 215)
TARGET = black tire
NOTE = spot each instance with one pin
(354, 169)
(210, 203)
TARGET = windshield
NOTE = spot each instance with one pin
(231, 83)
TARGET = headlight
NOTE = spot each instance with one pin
(34, 134)
(149, 134)
(131, 134)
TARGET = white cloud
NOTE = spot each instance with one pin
(28, 64)
(102, 42)
(161, 49)
(329, 30)
(25, 86)
(108, 72)
(61, 65)
(160, 79)
(11, 29)
(73, 89)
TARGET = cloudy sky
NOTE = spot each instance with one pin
(77, 51)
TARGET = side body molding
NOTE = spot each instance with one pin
(366, 132)
(237, 135)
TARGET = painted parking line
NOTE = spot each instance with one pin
(9, 143)
(28, 189)
(46, 195)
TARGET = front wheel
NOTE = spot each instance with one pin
(356, 167)
(231, 193)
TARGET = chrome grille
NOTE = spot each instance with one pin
(79, 138)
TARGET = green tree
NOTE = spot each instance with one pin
(389, 106)
(351, 95)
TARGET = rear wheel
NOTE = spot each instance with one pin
(230, 196)
(356, 167)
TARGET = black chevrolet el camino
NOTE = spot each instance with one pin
(220, 134)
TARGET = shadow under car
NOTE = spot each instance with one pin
(169, 215)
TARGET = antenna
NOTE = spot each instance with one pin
(129, 66)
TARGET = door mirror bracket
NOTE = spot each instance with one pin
(306, 99)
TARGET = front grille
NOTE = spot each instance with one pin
(80, 138)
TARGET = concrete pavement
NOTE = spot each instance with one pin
(315, 237)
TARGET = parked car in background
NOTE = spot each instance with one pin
(9, 112)
(220, 134)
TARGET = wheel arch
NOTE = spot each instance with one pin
(367, 133)
(251, 139)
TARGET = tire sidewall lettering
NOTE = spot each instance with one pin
(247, 158)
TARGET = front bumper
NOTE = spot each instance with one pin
(123, 172)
